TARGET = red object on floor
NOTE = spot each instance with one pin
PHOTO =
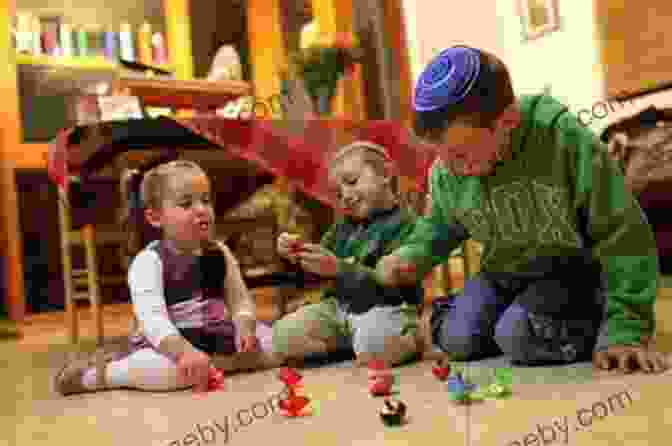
(377, 364)
(381, 386)
(290, 377)
(380, 378)
(441, 372)
(215, 381)
(294, 406)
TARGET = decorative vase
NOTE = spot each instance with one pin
(323, 99)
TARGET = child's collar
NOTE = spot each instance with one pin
(375, 214)
(171, 245)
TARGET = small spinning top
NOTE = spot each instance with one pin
(441, 370)
(289, 376)
(380, 378)
(295, 405)
(459, 390)
(394, 413)
(215, 380)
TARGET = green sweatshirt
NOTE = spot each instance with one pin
(558, 194)
(359, 247)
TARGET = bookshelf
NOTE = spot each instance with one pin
(16, 154)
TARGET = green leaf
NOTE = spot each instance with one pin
(504, 376)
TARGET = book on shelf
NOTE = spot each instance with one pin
(50, 35)
(92, 109)
(119, 108)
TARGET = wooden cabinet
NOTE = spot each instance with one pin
(633, 43)
(16, 152)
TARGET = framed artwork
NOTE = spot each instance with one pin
(538, 17)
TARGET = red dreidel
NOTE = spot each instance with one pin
(380, 378)
(215, 381)
(290, 377)
(441, 370)
(294, 405)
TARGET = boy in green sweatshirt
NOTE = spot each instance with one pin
(569, 267)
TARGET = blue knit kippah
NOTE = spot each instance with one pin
(448, 78)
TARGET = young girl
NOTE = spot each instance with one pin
(192, 308)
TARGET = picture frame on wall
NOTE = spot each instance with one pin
(538, 18)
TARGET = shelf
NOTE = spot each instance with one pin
(85, 63)
(82, 63)
(184, 94)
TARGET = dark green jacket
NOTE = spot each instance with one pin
(359, 247)
(559, 195)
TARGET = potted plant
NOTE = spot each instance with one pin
(322, 64)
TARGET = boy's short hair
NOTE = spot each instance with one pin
(372, 154)
(488, 98)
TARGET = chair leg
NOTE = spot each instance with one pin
(88, 235)
(71, 309)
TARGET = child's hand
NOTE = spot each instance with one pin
(289, 245)
(392, 271)
(630, 358)
(318, 260)
(249, 344)
(193, 367)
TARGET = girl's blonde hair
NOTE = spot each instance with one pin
(145, 188)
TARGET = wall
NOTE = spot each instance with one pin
(568, 60)
(436, 24)
(637, 56)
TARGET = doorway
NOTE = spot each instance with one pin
(215, 23)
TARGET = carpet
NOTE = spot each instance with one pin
(550, 405)
(620, 409)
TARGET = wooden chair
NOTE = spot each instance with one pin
(83, 283)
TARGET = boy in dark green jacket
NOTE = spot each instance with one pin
(569, 267)
(377, 322)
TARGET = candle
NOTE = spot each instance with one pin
(159, 49)
(36, 36)
(111, 47)
(66, 40)
(23, 33)
(126, 43)
(144, 44)
(82, 42)
(95, 40)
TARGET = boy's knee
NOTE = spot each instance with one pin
(393, 348)
(464, 348)
(291, 335)
(284, 333)
(464, 344)
(508, 339)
